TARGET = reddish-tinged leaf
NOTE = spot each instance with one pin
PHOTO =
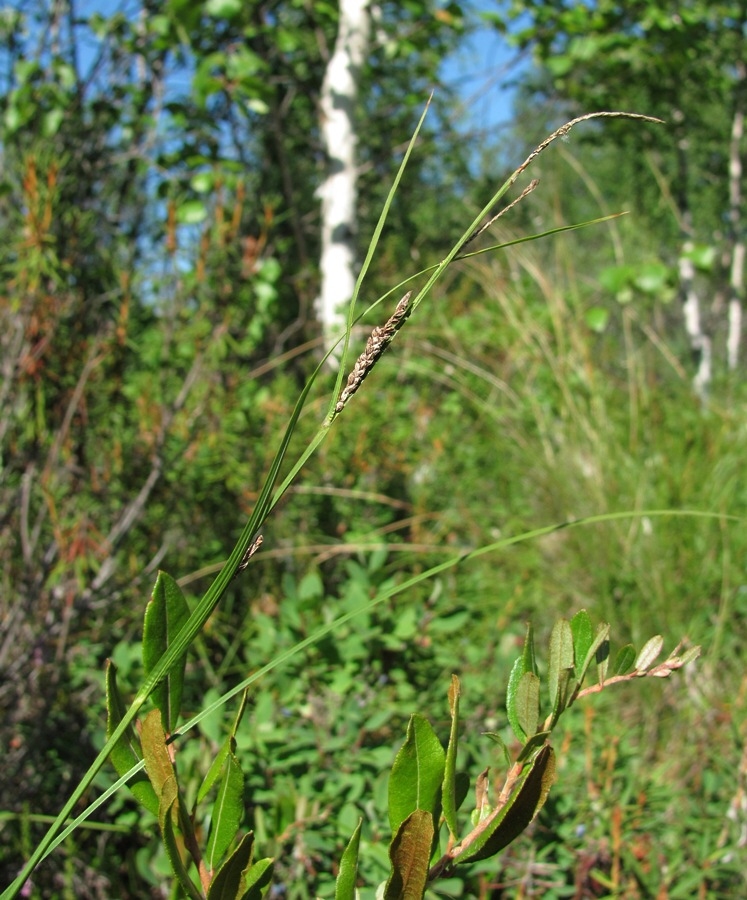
(507, 823)
(410, 853)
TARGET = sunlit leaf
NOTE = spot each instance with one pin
(525, 663)
(527, 703)
(257, 877)
(223, 9)
(560, 659)
(596, 318)
(649, 653)
(417, 773)
(191, 212)
(583, 637)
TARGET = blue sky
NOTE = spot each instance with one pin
(483, 70)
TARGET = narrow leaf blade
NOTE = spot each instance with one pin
(126, 752)
(448, 791)
(228, 810)
(165, 614)
(169, 798)
(348, 874)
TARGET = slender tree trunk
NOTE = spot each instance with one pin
(338, 191)
(700, 342)
(736, 273)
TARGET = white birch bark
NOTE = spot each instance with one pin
(338, 191)
(699, 340)
(736, 274)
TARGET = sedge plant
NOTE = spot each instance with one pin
(426, 789)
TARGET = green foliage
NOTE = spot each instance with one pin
(422, 780)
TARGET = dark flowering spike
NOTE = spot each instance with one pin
(379, 339)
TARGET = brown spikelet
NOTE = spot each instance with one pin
(379, 339)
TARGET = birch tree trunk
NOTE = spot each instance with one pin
(736, 274)
(338, 191)
(700, 342)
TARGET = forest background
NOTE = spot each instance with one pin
(162, 255)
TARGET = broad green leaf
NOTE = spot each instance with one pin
(527, 703)
(649, 653)
(616, 278)
(596, 318)
(191, 212)
(525, 663)
(506, 823)
(583, 637)
(703, 256)
(410, 854)
(561, 658)
(258, 876)
(624, 660)
(126, 752)
(348, 874)
(229, 882)
(202, 182)
(228, 811)
(417, 773)
(223, 9)
(652, 277)
(165, 614)
(169, 797)
(448, 791)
